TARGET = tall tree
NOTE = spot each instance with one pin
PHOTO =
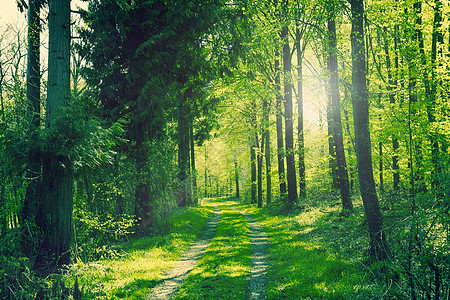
(55, 216)
(192, 156)
(301, 43)
(338, 137)
(289, 128)
(436, 42)
(31, 200)
(279, 124)
(391, 84)
(266, 143)
(184, 193)
(360, 103)
(253, 154)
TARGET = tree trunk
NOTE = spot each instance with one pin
(420, 185)
(253, 170)
(289, 130)
(260, 168)
(193, 169)
(437, 38)
(183, 193)
(300, 135)
(266, 146)
(350, 146)
(142, 204)
(362, 135)
(206, 171)
(236, 175)
(253, 155)
(279, 121)
(342, 174)
(268, 166)
(31, 200)
(55, 216)
(395, 145)
(331, 144)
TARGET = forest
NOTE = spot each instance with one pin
(313, 134)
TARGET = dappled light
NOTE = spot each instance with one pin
(191, 149)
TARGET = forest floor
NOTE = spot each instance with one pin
(225, 249)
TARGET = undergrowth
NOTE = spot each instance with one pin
(318, 253)
(142, 262)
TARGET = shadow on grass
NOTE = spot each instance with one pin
(137, 289)
(313, 252)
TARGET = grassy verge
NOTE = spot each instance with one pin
(315, 253)
(143, 262)
(223, 272)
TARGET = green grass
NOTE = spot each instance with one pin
(315, 253)
(223, 272)
(144, 261)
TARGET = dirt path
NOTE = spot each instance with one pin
(259, 242)
(183, 267)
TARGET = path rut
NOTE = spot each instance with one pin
(184, 266)
(259, 241)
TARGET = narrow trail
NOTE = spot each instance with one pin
(184, 266)
(259, 242)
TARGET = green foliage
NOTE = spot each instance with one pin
(96, 235)
(143, 261)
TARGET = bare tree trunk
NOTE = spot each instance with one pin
(391, 84)
(206, 171)
(437, 39)
(236, 176)
(259, 159)
(289, 137)
(253, 170)
(193, 169)
(266, 146)
(362, 135)
(31, 200)
(183, 192)
(279, 122)
(342, 174)
(300, 135)
(331, 144)
(268, 167)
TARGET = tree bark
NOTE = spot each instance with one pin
(236, 176)
(342, 174)
(193, 169)
(279, 123)
(362, 135)
(253, 171)
(31, 200)
(289, 130)
(206, 171)
(253, 155)
(300, 135)
(331, 144)
(259, 159)
(266, 146)
(437, 39)
(55, 216)
(183, 193)
(395, 144)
